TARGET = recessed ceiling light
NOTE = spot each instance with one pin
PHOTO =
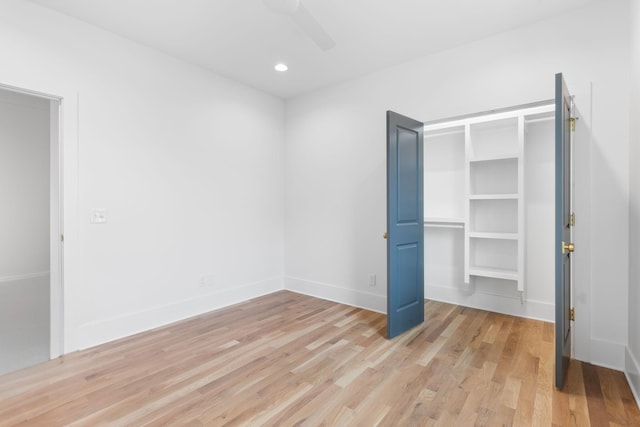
(281, 67)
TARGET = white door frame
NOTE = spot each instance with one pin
(56, 284)
(56, 233)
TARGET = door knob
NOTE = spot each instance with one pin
(567, 247)
(385, 235)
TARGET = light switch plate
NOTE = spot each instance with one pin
(98, 216)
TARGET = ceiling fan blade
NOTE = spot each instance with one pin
(312, 27)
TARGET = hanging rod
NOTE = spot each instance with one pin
(541, 119)
(444, 222)
(434, 225)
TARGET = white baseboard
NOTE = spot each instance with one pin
(368, 301)
(102, 331)
(500, 304)
(608, 354)
(497, 303)
(632, 372)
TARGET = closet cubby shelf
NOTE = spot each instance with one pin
(495, 273)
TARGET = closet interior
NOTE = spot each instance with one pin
(489, 211)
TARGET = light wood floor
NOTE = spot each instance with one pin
(287, 359)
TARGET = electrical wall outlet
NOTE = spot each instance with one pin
(372, 280)
(208, 281)
(98, 216)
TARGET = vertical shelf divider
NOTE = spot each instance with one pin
(521, 208)
(468, 153)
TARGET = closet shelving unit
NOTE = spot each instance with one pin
(483, 190)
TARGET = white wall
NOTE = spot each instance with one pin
(633, 352)
(188, 165)
(335, 159)
(24, 186)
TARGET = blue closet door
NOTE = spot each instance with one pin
(563, 247)
(405, 224)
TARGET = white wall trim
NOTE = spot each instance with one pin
(352, 297)
(56, 215)
(30, 92)
(632, 372)
(23, 276)
(608, 354)
(102, 331)
(531, 309)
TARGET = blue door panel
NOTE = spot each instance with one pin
(408, 169)
(407, 256)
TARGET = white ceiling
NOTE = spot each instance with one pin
(243, 40)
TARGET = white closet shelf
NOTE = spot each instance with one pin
(450, 220)
(508, 196)
(435, 134)
(495, 273)
(485, 235)
(493, 158)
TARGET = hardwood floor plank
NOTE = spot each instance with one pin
(287, 359)
(612, 399)
(595, 398)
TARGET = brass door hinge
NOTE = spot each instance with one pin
(572, 313)
(62, 237)
(572, 123)
(572, 219)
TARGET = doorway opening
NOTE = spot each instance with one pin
(31, 229)
(489, 210)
